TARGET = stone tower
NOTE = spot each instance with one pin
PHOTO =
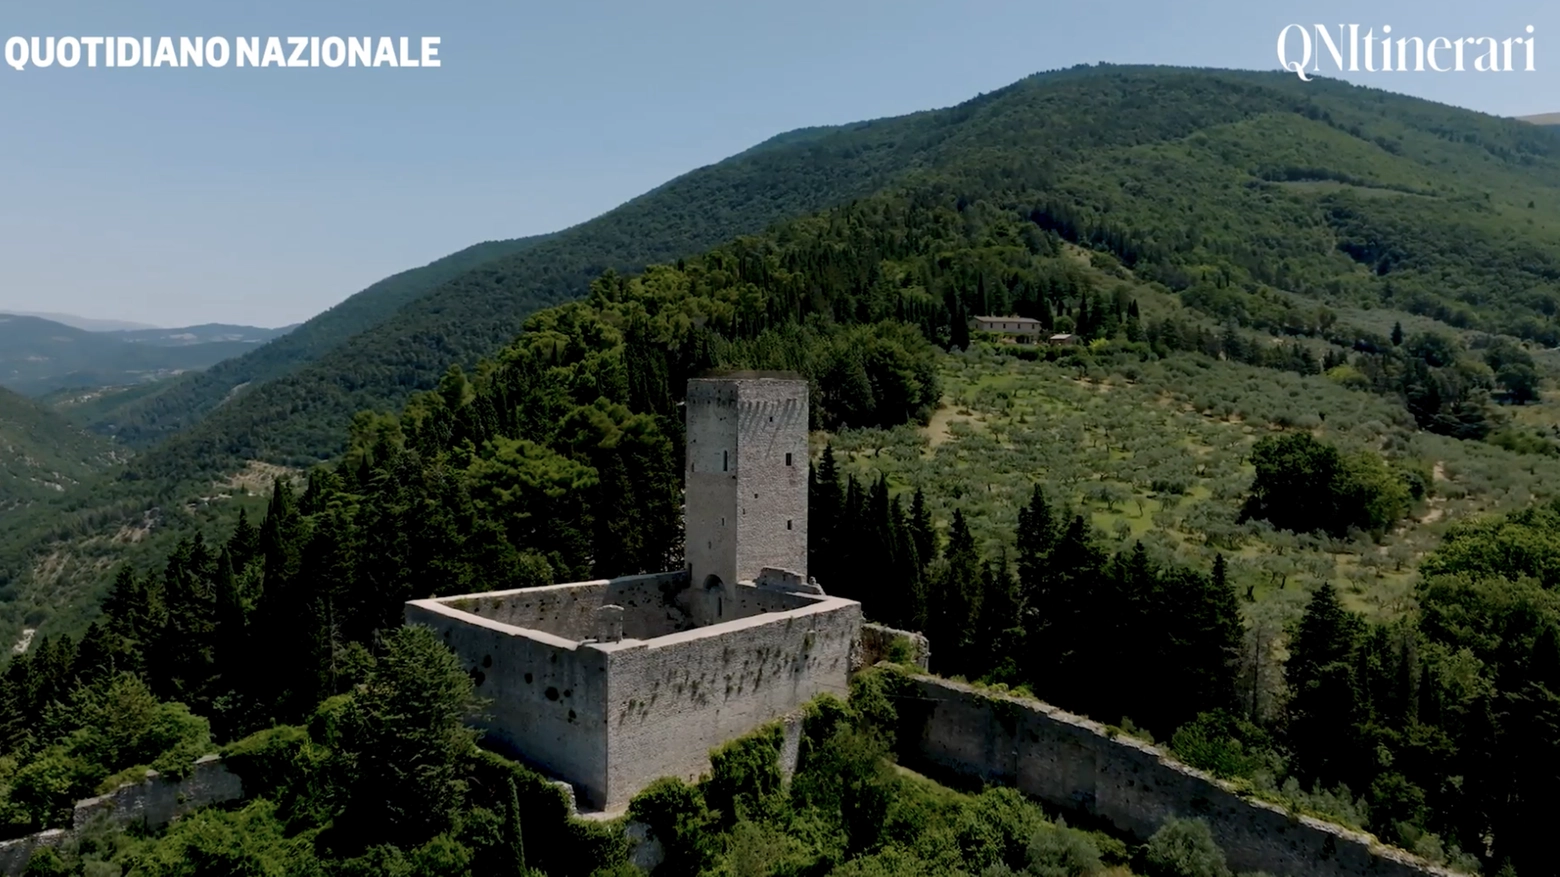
(746, 504)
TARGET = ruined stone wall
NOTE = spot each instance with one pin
(547, 695)
(14, 854)
(1071, 763)
(877, 641)
(675, 699)
(153, 803)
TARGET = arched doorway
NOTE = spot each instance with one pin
(715, 588)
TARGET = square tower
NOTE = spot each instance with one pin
(746, 503)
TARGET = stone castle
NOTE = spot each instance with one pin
(611, 684)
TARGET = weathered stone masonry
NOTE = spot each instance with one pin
(153, 803)
(610, 717)
(1076, 765)
(612, 684)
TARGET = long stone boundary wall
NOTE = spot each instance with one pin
(154, 802)
(1078, 766)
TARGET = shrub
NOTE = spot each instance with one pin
(1222, 744)
(998, 827)
(1059, 851)
(1184, 848)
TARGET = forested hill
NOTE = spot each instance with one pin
(145, 419)
(1257, 200)
(42, 455)
(1086, 136)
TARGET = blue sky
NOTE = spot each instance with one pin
(176, 196)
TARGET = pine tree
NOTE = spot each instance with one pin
(134, 616)
(1325, 706)
(955, 602)
(406, 734)
(99, 655)
(1205, 638)
(997, 624)
(183, 657)
(1397, 334)
(1062, 661)
(244, 545)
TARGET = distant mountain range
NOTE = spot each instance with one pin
(39, 355)
(1548, 120)
(86, 324)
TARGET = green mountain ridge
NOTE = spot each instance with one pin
(1263, 201)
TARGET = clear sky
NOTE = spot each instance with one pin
(178, 196)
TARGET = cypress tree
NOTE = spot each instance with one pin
(910, 608)
(922, 531)
(1036, 535)
(955, 602)
(825, 504)
(514, 837)
(849, 552)
(879, 550)
(959, 337)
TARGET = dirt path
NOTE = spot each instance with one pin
(937, 429)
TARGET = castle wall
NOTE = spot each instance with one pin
(650, 602)
(1074, 764)
(676, 698)
(547, 695)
